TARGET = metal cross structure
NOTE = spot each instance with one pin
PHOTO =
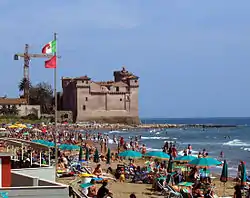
(27, 56)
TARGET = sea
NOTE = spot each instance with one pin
(233, 141)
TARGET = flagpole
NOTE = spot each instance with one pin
(55, 96)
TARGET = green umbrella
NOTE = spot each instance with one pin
(186, 158)
(243, 174)
(96, 156)
(205, 162)
(158, 154)
(224, 173)
(80, 155)
(130, 154)
(108, 156)
(87, 154)
(86, 185)
(187, 184)
(170, 165)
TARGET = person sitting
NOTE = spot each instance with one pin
(92, 191)
(103, 191)
(98, 171)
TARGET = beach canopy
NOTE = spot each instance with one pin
(130, 154)
(69, 147)
(185, 158)
(224, 172)
(44, 142)
(158, 154)
(205, 162)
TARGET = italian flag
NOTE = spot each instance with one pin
(49, 48)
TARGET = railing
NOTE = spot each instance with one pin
(73, 193)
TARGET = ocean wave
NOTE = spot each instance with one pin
(110, 132)
(245, 149)
(155, 138)
(153, 149)
(236, 142)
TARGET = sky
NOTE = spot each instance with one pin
(192, 56)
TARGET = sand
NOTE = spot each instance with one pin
(123, 190)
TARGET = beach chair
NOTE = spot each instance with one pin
(169, 192)
(173, 193)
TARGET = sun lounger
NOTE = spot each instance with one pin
(169, 192)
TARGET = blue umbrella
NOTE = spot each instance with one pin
(158, 154)
(130, 154)
(186, 158)
(205, 162)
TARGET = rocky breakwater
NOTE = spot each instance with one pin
(151, 126)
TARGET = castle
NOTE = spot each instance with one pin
(109, 101)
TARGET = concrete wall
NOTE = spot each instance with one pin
(37, 192)
(47, 173)
(28, 186)
(25, 110)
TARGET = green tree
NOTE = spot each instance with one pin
(13, 110)
(22, 84)
(42, 94)
(4, 110)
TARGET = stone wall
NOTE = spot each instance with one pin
(24, 110)
(65, 116)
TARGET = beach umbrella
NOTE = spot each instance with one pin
(158, 154)
(87, 154)
(186, 158)
(108, 156)
(130, 154)
(80, 155)
(204, 162)
(224, 175)
(243, 174)
(96, 156)
(170, 165)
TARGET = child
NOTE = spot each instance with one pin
(122, 176)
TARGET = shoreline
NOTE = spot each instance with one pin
(151, 126)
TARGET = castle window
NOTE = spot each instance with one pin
(128, 89)
(120, 99)
(136, 81)
(86, 99)
(117, 88)
(84, 107)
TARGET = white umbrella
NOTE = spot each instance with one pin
(36, 130)
(2, 129)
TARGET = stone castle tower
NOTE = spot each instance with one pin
(105, 101)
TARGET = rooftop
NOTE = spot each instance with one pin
(12, 101)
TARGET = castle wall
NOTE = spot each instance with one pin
(105, 106)
(102, 101)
